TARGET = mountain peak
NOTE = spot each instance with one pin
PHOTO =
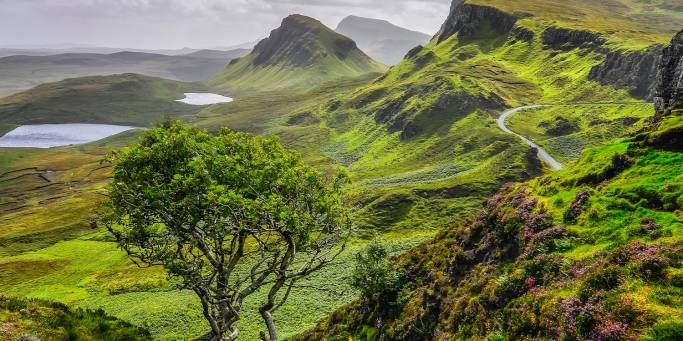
(381, 39)
(300, 53)
(301, 41)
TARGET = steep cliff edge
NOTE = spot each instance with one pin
(670, 78)
(635, 71)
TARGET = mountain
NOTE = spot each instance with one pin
(22, 72)
(127, 99)
(224, 56)
(380, 39)
(424, 150)
(588, 253)
(301, 53)
(51, 51)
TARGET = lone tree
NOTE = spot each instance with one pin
(226, 215)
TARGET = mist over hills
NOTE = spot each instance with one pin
(381, 39)
(21, 72)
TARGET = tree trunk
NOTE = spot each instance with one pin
(270, 323)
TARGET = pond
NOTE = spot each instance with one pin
(193, 98)
(55, 135)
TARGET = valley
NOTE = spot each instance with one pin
(520, 142)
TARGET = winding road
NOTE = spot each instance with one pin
(542, 154)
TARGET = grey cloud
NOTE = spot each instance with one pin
(192, 23)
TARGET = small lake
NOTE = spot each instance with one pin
(55, 135)
(193, 98)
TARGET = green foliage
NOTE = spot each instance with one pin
(375, 273)
(225, 215)
(28, 319)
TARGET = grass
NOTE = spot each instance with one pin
(523, 268)
(28, 319)
(420, 143)
(126, 99)
(565, 131)
(628, 24)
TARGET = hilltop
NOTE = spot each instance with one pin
(300, 54)
(380, 39)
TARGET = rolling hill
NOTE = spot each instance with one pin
(127, 99)
(300, 54)
(21, 72)
(380, 39)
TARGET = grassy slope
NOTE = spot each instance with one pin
(613, 271)
(631, 24)
(405, 188)
(25, 319)
(119, 99)
(565, 131)
(318, 55)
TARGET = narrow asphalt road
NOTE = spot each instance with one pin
(542, 154)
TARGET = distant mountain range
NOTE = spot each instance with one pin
(20, 72)
(301, 53)
(381, 39)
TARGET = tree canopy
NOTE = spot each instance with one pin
(226, 215)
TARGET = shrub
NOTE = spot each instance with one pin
(672, 330)
(577, 206)
(374, 273)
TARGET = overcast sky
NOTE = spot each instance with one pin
(155, 24)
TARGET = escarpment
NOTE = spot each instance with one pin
(466, 19)
(567, 39)
(634, 71)
(670, 78)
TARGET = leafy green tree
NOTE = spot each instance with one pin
(374, 272)
(226, 215)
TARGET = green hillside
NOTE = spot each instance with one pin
(421, 145)
(119, 99)
(300, 54)
(589, 253)
(25, 319)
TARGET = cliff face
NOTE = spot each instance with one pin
(635, 71)
(464, 19)
(669, 95)
(301, 41)
(566, 39)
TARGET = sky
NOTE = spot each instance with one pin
(172, 24)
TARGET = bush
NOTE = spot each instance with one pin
(375, 274)
(672, 330)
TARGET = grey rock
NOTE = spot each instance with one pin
(669, 93)
(635, 71)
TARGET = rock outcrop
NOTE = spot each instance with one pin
(669, 94)
(464, 19)
(635, 71)
(567, 39)
(295, 43)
